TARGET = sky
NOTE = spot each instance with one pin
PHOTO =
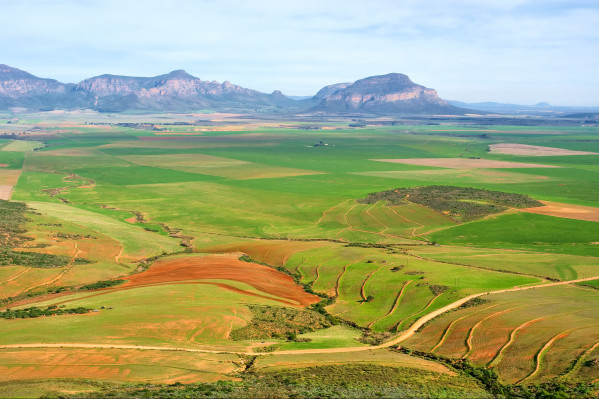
(510, 51)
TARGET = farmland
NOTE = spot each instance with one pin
(224, 253)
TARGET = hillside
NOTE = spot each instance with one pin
(175, 91)
(179, 91)
(393, 93)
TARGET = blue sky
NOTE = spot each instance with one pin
(520, 51)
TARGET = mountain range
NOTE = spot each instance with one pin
(179, 91)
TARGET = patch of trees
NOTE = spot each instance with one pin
(462, 204)
(34, 311)
(437, 289)
(33, 259)
(280, 322)
(12, 218)
(101, 284)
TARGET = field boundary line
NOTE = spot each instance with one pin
(469, 347)
(395, 304)
(343, 272)
(450, 325)
(581, 358)
(420, 225)
(417, 313)
(513, 335)
(539, 355)
(363, 287)
(16, 277)
(324, 213)
(349, 226)
(376, 220)
(61, 274)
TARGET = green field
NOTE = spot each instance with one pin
(122, 198)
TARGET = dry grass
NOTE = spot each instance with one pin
(533, 150)
(567, 211)
(464, 163)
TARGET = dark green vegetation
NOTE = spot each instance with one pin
(490, 380)
(33, 259)
(462, 204)
(334, 381)
(279, 322)
(102, 284)
(34, 311)
(12, 218)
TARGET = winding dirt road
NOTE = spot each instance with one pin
(400, 338)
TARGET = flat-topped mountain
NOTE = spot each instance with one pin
(394, 93)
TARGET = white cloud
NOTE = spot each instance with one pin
(468, 50)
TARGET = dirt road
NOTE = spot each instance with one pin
(400, 338)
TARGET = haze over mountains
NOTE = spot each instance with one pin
(178, 91)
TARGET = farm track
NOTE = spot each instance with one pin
(61, 274)
(16, 277)
(417, 313)
(324, 213)
(420, 225)
(539, 355)
(397, 340)
(363, 287)
(376, 220)
(349, 226)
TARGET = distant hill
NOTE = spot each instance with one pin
(24, 90)
(541, 108)
(175, 91)
(394, 93)
(178, 91)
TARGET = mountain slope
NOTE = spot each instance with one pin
(175, 91)
(22, 89)
(394, 93)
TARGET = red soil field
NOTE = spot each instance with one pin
(227, 267)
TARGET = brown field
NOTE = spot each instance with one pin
(380, 357)
(533, 150)
(9, 177)
(464, 163)
(5, 192)
(115, 364)
(567, 211)
(223, 267)
(274, 253)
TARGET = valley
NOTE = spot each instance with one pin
(437, 250)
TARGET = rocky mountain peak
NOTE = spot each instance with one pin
(394, 93)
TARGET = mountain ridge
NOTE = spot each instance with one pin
(178, 90)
